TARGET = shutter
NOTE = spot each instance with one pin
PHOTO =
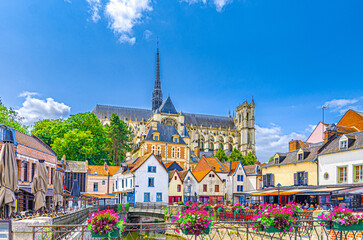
(272, 179)
(264, 180)
(305, 178)
(295, 179)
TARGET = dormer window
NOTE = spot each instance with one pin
(276, 160)
(156, 138)
(300, 156)
(176, 140)
(343, 144)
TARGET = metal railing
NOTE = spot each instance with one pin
(301, 230)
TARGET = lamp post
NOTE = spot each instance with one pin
(323, 108)
(278, 193)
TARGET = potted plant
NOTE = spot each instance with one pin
(105, 224)
(238, 208)
(196, 221)
(272, 220)
(343, 219)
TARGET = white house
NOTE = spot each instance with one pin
(190, 186)
(144, 179)
(241, 179)
(341, 160)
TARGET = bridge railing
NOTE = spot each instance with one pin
(306, 229)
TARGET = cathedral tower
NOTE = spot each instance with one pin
(245, 125)
(157, 99)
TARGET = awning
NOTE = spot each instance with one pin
(98, 195)
(356, 190)
(49, 192)
(319, 191)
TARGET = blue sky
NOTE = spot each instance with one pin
(63, 57)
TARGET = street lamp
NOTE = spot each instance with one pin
(278, 193)
(323, 108)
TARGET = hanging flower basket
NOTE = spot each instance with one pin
(273, 229)
(343, 220)
(106, 223)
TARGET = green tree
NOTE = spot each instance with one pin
(235, 155)
(49, 130)
(75, 145)
(11, 118)
(221, 155)
(120, 139)
(250, 159)
(271, 159)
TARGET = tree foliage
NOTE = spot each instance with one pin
(271, 159)
(11, 118)
(221, 155)
(235, 155)
(120, 138)
(80, 137)
(250, 159)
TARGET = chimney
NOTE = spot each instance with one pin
(294, 145)
(197, 151)
(330, 131)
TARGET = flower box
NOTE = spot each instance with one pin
(273, 229)
(114, 234)
(353, 227)
(188, 232)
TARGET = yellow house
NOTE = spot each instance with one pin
(176, 186)
(294, 168)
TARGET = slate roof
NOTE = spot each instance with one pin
(333, 146)
(291, 157)
(33, 142)
(138, 114)
(251, 170)
(76, 166)
(125, 113)
(166, 134)
(168, 107)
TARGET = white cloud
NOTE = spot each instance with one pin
(94, 6)
(219, 4)
(34, 109)
(147, 34)
(343, 105)
(123, 15)
(270, 140)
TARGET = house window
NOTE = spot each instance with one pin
(239, 178)
(51, 174)
(153, 149)
(176, 139)
(95, 187)
(156, 138)
(204, 187)
(358, 173)
(159, 151)
(130, 182)
(125, 182)
(116, 184)
(151, 169)
(25, 172)
(151, 182)
(343, 144)
(189, 188)
(342, 174)
(33, 170)
(216, 188)
(159, 197)
(179, 188)
(175, 178)
(122, 182)
(103, 182)
(178, 152)
(146, 197)
(268, 180)
(300, 156)
(173, 152)
(276, 160)
(239, 188)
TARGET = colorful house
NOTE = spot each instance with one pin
(142, 179)
(190, 186)
(211, 188)
(176, 189)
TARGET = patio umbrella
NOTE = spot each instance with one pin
(75, 192)
(40, 185)
(57, 190)
(8, 177)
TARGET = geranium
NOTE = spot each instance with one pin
(219, 207)
(104, 222)
(196, 221)
(237, 208)
(341, 216)
(279, 217)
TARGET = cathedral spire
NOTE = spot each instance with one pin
(157, 99)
